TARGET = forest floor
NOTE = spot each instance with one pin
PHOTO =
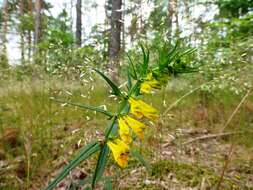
(38, 137)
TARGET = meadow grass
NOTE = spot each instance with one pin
(36, 131)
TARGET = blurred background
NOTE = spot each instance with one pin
(47, 49)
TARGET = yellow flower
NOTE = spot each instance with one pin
(120, 152)
(145, 88)
(149, 83)
(126, 122)
(124, 131)
(149, 76)
(140, 109)
(137, 126)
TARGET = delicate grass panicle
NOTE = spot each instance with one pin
(130, 119)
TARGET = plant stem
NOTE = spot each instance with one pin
(108, 131)
(236, 110)
(225, 165)
(182, 97)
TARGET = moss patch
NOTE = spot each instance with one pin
(189, 175)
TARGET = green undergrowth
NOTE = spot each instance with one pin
(188, 174)
(35, 131)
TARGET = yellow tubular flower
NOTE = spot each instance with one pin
(139, 109)
(124, 131)
(120, 152)
(149, 83)
(145, 88)
(149, 76)
(137, 126)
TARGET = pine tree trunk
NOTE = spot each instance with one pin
(71, 15)
(21, 9)
(123, 27)
(78, 23)
(3, 50)
(107, 24)
(38, 21)
(115, 38)
(170, 14)
(38, 31)
(176, 11)
(29, 36)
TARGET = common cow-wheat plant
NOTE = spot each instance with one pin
(128, 123)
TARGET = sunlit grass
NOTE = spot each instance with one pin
(44, 130)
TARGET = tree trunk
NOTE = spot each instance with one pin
(21, 10)
(123, 26)
(115, 38)
(187, 9)
(78, 23)
(29, 36)
(176, 12)
(38, 22)
(38, 31)
(71, 15)
(142, 27)
(170, 14)
(3, 50)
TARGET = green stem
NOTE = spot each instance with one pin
(108, 130)
(101, 160)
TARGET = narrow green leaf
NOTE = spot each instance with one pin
(101, 163)
(124, 107)
(93, 108)
(132, 67)
(174, 48)
(114, 87)
(86, 152)
(143, 53)
(187, 52)
(129, 80)
(109, 128)
(135, 89)
(145, 60)
(108, 183)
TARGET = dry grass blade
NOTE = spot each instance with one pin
(182, 97)
(211, 136)
(225, 165)
(236, 110)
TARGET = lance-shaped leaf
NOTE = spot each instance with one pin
(166, 55)
(129, 80)
(101, 163)
(145, 60)
(85, 153)
(135, 89)
(187, 52)
(132, 67)
(83, 106)
(114, 87)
